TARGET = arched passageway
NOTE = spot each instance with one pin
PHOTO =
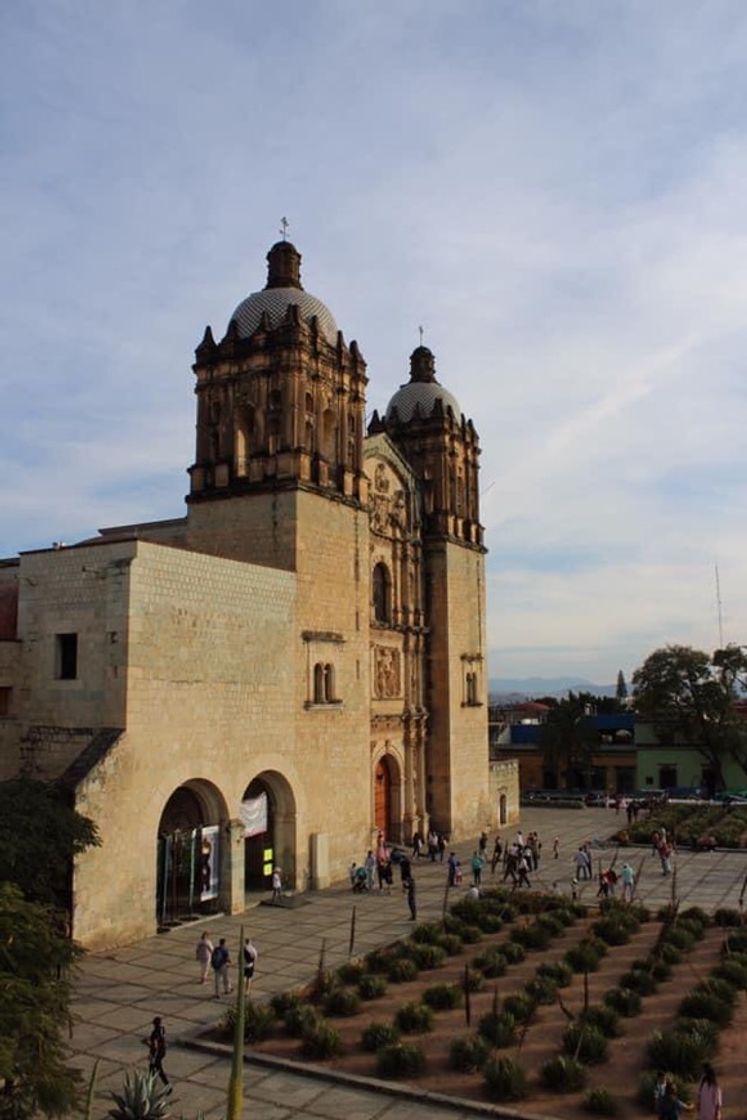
(188, 879)
(387, 798)
(268, 812)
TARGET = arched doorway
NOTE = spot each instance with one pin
(188, 879)
(384, 798)
(268, 811)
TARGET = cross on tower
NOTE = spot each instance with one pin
(420, 329)
(284, 228)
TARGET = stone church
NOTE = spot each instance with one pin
(293, 667)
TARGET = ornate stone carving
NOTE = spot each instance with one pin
(380, 504)
(387, 678)
(381, 482)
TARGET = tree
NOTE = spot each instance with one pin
(40, 835)
(621, 692)
(684, 690)
(35, 962)
(567, 738)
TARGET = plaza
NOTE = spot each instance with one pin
(119, 992)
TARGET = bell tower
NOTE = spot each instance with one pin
(281, 398)
(426, 424)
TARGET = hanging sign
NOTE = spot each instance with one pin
(253, 814)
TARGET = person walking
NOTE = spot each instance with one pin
(370, 866)
(250, 961)
(476, 863)
(495, 859)
(709, 1095)
(411, 898)
(203, 953)
(156, 1043)
(441, 847)
(221, 962)
(277, 884)
(451, 866)
(671, 1106)
(628, 882)
(556, 847)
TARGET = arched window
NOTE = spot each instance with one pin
(309, 402)
(329, 684)
(382, 593)
(319, 683)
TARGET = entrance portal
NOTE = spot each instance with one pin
(383, 797)
(268, 811)
(188, 872)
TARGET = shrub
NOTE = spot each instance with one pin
(552, 923)
(470, 935)
(563, 1075)
(443, 997)
(427, 934)
(505, 1080)
(521, 1007)
(726, 916)
(559, 973)
(371, 986)
(468, 909)
(612, 931)
(531, 937)
(624, 1002)
(691, 926)
(680, 1052)
(469, 1053)
(414, 1018)
(473, 980)
(491, 963)
(639, 981)
(668, 953)
(299, 1018)
(733, 972)
(513, 952)
(453, 924)
(702, 1005)
(490, 923)
(401, 1059)
(401, 970)
(714, 986)
(351, 972)
(379, 960)
(343, 1002)
(259, 1019)
(428, 956)
(604, 1018)
(697, 914)
(680, 938)
(541, 989)
(498, 1029)
(601, 1103)
(737, 941)
(321, 1040)
(378, 1035)
(703, 1030)
(585, 1042)
(282, 1002)
(451, 943)
(660, 971)
(582, 957)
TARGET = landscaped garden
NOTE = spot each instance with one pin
(529, 998)
(687, 824)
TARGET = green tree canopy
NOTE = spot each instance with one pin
(567, 738)
(35, 962)
(683, 690)
(40, 835)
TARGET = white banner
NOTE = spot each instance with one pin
(209, 861)
(253, 814)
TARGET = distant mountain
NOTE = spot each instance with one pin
(508, 689)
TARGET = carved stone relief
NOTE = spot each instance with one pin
(387, 678)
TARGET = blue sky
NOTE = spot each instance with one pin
(555, 191)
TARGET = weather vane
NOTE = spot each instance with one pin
(284, 228)
(420, 329)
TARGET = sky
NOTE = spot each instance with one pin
(555, 191)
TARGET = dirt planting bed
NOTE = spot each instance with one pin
(542, 1039)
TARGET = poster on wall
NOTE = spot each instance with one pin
(209, 862)
(253, 814)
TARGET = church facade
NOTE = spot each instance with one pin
(292, 668)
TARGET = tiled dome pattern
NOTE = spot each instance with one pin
(275, 301)
(424, 393)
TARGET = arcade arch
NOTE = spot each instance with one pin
(387, 796)
(268, 812)
(189, 858)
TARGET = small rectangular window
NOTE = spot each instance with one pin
(66, 657)
(5, 697)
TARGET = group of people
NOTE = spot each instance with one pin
(433, 846)
(217, 959)
(668, 1106)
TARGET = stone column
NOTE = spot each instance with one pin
(232, 898)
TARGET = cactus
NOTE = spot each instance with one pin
(143, 1097)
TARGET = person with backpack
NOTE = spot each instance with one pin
(156, 1043)
(220, 963)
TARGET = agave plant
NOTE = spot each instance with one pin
(143, 1097)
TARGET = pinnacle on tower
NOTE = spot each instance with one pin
(284, 266)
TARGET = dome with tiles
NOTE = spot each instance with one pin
(422, 390)
(283, 289)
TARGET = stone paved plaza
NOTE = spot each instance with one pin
(120, 991)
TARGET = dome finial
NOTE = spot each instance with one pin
(422, 364)
(284, 228)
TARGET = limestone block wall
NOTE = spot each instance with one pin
(83, 591)
(209, 705)
(256, 527)
(457, 767)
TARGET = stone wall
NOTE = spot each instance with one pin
(504, 783)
